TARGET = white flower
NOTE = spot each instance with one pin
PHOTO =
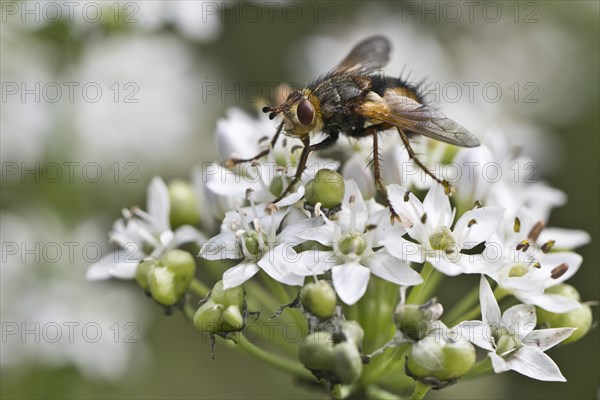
(141, 234)
(429, 223)
(510, 339)
(525, 268)
(263, 240)
(354, 236)
(243, 137)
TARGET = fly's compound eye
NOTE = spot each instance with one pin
(305, 112)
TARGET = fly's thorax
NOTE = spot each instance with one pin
(302, 114)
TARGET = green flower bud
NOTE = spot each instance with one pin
(438, 361)
(319, 299)
(228, 297)
(442, 240)
(217, 318)
(276, 187)
(316, 351)
(320, 353)
(141, 273)
(347, 362)
(184, 204)
(416, 320)
(352, 243)
(327, 188)
(170, 279)
(566, 290)
(580, 318)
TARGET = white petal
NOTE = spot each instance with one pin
(478, 333)
(317, 262)
(350, 281)
(220, 247)
(444, 265)
(410, 211)
(500, 364)
(487, 221)
(291, 198)
(437, 207)
(360, 208)
(566, 239)
(519, 319)
(404, 249)
(490, 311)
(158, 203)
(325, 234)
(289, 234)
(552, 302)
(532, 362)
(355, 168)
(239, 274)
(100, 270)
(186, 234)
(385, 231)
(553, 260)
(544, 339)
(283, 264)
(393, 270)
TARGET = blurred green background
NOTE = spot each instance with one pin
(167, 71)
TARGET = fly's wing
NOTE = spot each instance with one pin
(410, 115)
(369, 55)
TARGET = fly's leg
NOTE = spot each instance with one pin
(377, 175)
(413, 156)
(232, 162)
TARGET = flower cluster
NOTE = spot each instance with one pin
(333, 237)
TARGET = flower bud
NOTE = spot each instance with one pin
(416, 320)
(347, 362)
(217, 318)
(316, 351)
(327, 188)
(564, 289)
(170, 278)
(319, 299)
(320, 353)
(580, 318)
(141, 273)
(439, 361)
(184, 204)
(228, 297)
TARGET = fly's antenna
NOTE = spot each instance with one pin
(272, 110)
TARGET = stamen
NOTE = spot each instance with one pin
(477, 204)
(249, 197)
(559, 271)
(406, 196)
(318, 209)
(534, 234)
(259, 230)
(243, 216)
(517, 225)
(523, 245)
(424, 218)
(351, 202)
(471, 223)
(536, 265)
(546, 247)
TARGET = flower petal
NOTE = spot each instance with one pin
(239, 274)
(532, 362)
(158, 204)
(437, 206)
(520, 319)
(221, 247)
(350, 281)
(392, 269)
(478, 225)
(544, 339)
(490, 310)
(477, 332)
(566, 239)
(283, 264)
(552, 302)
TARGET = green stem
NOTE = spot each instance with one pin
(499, 294)
(431, 279)
(292, 367)
(462, 306)
(378, 393)
(199, 288)
(419, 392)
(242, 342)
